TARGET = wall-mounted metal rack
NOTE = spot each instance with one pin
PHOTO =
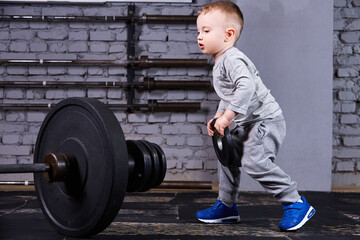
(132, 63)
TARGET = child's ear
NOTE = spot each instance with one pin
(229, 34)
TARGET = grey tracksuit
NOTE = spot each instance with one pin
(260, 128)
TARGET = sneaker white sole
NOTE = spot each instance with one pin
(233, 219)
(308, 215)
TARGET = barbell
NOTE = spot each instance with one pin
(143, 62)
(83, 166)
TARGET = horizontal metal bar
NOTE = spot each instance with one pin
(64, 18)
(65, 62)
(17, 183)
(94, 1)
(49, 84)
(144, 62)
(170, 107)
(152, 106)
(25, 106)
(168, 19)
(150, 84)
(140, 19)
(147, 84)
(24, 168)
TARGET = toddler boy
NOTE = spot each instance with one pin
(246, 101)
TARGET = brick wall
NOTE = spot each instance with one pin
(346, 151)
(181, 135)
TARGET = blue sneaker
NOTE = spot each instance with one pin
(296, 215)
(219, 213)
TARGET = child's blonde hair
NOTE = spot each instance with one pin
(231, 10)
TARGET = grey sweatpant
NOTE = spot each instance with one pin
(258, 143)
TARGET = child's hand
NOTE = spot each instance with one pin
(221, 123)
(209, 129)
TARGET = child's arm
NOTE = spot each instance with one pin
(244, 86)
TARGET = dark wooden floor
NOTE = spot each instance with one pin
(171, 215)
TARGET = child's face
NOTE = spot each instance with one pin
(211, 29)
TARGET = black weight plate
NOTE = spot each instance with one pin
(223, 146)
(162, 161)
(140, 178)
(88, 200)
(155, 164)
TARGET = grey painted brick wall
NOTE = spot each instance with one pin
(346, 123)
(181, 135)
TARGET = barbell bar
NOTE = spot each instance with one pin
(148, 83)
(83, 166)
(140, 19)
(24, 168)
(151, 106)
(143, 62)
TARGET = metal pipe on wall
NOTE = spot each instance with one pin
(144, 62)
(17, 183)
(50, 84)
(151, 106)
(94, 1)
(139, 19)
(148, 84)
